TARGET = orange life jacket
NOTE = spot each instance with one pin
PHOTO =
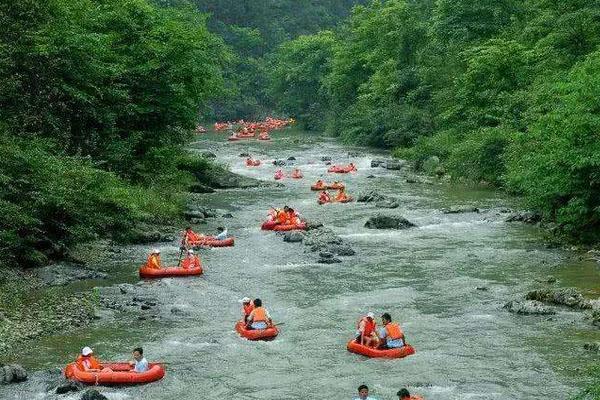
(259, 315)
(191, 262)
(282, 217)
(87, 362)
(341, 196)
(153, 261)
(247, 308)
(393, 331)
(369, 326)
(192, 237)
(324, 197)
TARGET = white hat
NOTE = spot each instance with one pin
(370, 315)
(155, 251)
(246, 300)
(190, 251)
(86, 351)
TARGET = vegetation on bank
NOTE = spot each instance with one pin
(96, 100)
(504, 92)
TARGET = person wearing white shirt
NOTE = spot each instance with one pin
(222, 235)
(139, 363)
(363, 393)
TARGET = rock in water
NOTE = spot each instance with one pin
(325, 158)
(460, 210)
(370, 196)
(279, 163)
(388, 222)
(293, 236)
(244, 154)
(528, 217)
(12, 373)
(69, 386)
(394, 164)
(292, 158)
(565, 297)
(93, 394)
(208, 154)
(529, 307)
(387, 204)
(377, 163)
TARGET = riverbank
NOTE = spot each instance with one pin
(446, 280)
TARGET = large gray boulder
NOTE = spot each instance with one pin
(389, 203)
(460, 210)
(370, 196)
(12, 373)
(394, 164)
(293, 236)
(388, 222)
(529, 307)
(377, 163)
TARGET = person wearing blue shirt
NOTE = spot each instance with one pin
(363, 393)
(222, 233)
(139, 363)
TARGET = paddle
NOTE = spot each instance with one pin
(181, 248)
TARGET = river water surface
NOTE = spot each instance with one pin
(467, 346)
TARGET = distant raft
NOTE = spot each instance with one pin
(213, 242)
(119, 373)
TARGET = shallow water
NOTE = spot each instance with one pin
(468, 347)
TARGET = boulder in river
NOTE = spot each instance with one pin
(93, 394)
(528, 217)
(227, 215)
(387, 204)
(292, 158)
(528, 307)
(12, 373)
(209, 154)
(377, 163)
(370, 176)
(370, 196)
(325, 158)
(244, 155)
(569, 297)
(460, 210)
(310, 225)
(279, 163)
(325, 241)
(388, 222)
(592, 346)
(69, 386)
(293, 236)
(394, 164)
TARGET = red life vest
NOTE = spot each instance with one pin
(369, 326)
(247, 308)
(191, 262)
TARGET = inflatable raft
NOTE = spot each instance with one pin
(340, 169)
(400, 352)
(253, 163)
(212, 242)
(115, 374)
(318, 188)
(334, 186)
(256, 334)
(273, 226)
(169, 272)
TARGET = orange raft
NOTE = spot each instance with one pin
(212, 242)
(169, 272)
(399, 352)
(116, 374)
(341, 170)
(256, 334)
(318, 188)
(274, 226)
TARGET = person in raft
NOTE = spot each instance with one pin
(190, 237)
(291, 216)
(247, 308)
(259, 317)
(87, 362)
(221, 233)
(404, 394)
(139, 363)
(324, 197)
(341, 195)
(154, 260)
(391, 334)
(366, 332)
(297, 173)
(352, 167)
(191, 260)
(363, 393)
(319, 183)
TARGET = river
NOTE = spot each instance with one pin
(467, 345)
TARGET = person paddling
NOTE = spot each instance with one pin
(319, 184)
(391, 334)
(139, 363)
(259, 318)
(191, 260)
(153, 261)
(341, 195)
(86, 360)
(404, 394)
(247, 308)
(366, 331)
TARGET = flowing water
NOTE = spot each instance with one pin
(467, 346)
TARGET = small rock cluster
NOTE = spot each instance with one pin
(12, 373)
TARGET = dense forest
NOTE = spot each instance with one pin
(498, 92)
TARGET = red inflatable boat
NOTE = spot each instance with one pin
(115, 374)
(256, 334)
(399, 352)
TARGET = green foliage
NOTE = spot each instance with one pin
(48, 202)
